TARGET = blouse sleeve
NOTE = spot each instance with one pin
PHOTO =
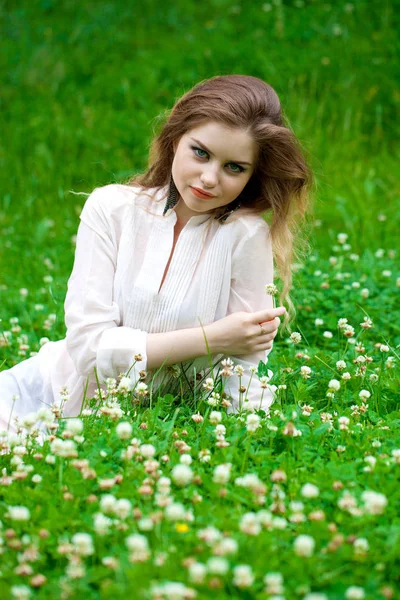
(92, 317)
(252, 269)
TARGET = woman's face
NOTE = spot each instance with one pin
(217, 159)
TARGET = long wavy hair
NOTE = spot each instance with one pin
(280, 187)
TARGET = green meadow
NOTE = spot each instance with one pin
(175, 498)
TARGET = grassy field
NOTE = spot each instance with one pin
(302, 503)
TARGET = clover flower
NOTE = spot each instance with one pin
(147, 450)
(273, 583)
(125, 385)
(222, 473)
(374, 502)
(354, 592)
(271, 289)
(304, 545)
(124, 430)
(83, 544)
(295, 337)
(215, 417)
(182, 475)
(18, 513)
(252, 422)
(334, 385)
(305, 372)
(197, 572)
(172, 590)
(20, 592)
(250, 524)
(217, 565)
(364, 395)
(209, 384)
(242, 576)
(175, 512)
(309, 490)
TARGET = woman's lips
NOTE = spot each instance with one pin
(199, 194)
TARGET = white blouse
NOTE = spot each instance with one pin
(112, 303)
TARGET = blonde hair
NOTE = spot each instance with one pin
(279, 188)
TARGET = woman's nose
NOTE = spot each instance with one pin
(209, 177)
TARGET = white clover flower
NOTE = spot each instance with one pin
(374, 502)
(185, 459)
(328, 334)
(136, 542)
(215, 417)
(309, 490)
(318, 322)
(305, 371)
(83, 543)
(217, 565)
(226, 546)
(197, 572)
(340, 365)
(145, 524)
(124, 430)
(147, 450)
(242, 576)
(239, 370)
(250, 524)
(175, 511)
(122, 508)
(361, 545)
(101, 523)
(271, 289)
(107, 503)
(209, 384)
(18, 513)
(342, 238)
(222, 473)
(74, 426)
(220, 429)
(396, 455)
(384, 348)
(279, 523)
(125, 385)
(354, 592)
(209, 534)
(252, 422)
(346, 376)
(182, 475)
(304, 545)
(36, 478)
(295, 337)
(315, 596)
(141, 388)
(364, 394)
(20, 592)
(64, 448)
(342, 323)
(334, 385)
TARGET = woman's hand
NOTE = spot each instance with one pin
(240, 332)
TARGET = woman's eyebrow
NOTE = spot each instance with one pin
(238, 162)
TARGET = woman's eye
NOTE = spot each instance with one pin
(236, 168)
(195, 149)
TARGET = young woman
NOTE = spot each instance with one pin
(177, 259)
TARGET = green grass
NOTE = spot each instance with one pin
(83, 84)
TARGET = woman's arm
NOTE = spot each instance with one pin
(252, 269)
